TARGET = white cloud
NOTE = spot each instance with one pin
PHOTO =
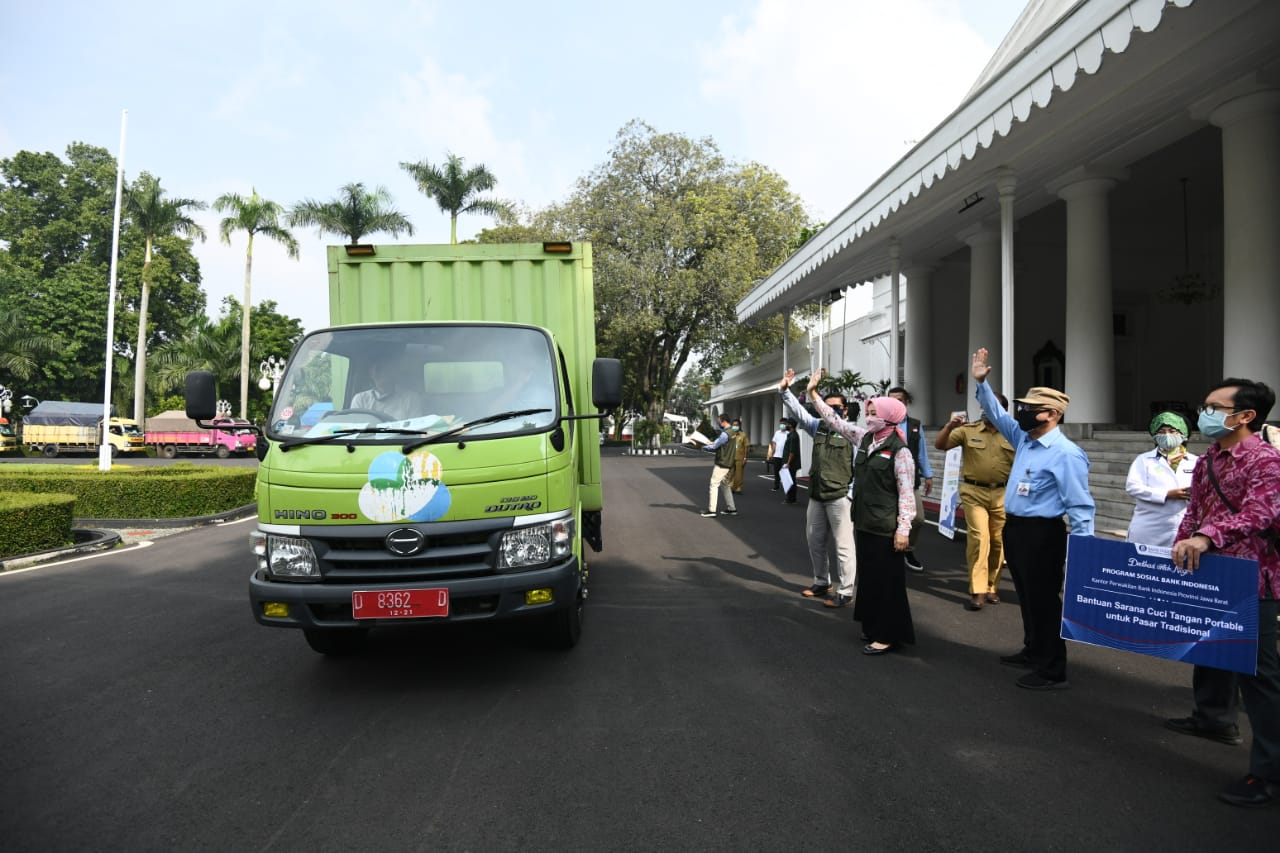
(828, 94)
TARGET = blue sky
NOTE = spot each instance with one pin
(299, 98)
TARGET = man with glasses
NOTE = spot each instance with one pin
(1049, 479)
(1234, 509)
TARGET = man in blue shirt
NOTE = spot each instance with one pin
(1049, 479)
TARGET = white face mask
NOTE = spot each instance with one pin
(1168, 441)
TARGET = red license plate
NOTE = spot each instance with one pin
(399, 603)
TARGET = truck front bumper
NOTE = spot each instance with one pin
(327, 605)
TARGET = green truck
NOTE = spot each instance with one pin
(432, 456)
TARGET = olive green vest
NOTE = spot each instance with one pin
(832, 469)
(725, 453)
(875, 495)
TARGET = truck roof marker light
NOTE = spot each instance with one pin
(557, 247)
(360, 249)
(539, 596)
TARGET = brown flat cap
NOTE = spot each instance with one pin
(1048, 398)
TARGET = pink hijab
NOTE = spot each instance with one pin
(892, 411)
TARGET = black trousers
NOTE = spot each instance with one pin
(1036, 551)
(882, 606)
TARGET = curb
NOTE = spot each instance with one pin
(100, 534)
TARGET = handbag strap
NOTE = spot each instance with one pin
(1213, 478)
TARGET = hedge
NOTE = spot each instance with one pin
(172, 491)
(34, 522)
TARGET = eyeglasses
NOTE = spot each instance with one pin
(1210, 408)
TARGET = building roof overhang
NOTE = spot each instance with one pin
(1108, 83)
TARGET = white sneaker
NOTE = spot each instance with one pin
(706, 513)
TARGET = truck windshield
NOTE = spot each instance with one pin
(416, 379)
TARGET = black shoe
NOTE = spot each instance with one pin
(1021, 659)
(1230, 735)
(913, 563)
(1036, 681)
(730, 512)
(818, 590)
(1250, 792)
(972, 605)
(838, 601)
(869, 649)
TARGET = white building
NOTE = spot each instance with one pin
(1044, 219)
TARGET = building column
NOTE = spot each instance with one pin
(984, 304)
(917, 360)
(1251, 225)
(1090, 337)
(895, 322)
(1006, 183)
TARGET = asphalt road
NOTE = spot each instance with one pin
(708, 707)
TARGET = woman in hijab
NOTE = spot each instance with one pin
(1160, 482)
(884, 505)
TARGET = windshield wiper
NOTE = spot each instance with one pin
(320, 439)
(460, 428)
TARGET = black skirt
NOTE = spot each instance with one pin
(881, 605)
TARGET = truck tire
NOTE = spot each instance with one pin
(222, 452)
(51, 450)
(563, 629)
(115, 451)
(168, 451)
(336, 642)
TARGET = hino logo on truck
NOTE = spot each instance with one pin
(298, 514)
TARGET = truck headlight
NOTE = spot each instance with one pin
(536, 545)
(285, 557)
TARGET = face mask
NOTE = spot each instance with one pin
(1027, 420)
(1214, 425)
(875, 424)
(1168, 441)
(782, 426)
(735, 429)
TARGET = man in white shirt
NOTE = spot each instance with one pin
(387, 397)
(776, 446)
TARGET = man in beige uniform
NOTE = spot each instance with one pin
(984, 472)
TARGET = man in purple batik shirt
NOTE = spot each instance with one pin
(1235, 510)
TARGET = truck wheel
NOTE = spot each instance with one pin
(115, 451)
(563, 629)
(222, 452)
(336, 642)
(51, 450)
(168, 451)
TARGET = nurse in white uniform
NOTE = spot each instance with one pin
(1160, 482)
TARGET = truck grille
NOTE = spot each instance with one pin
(453, 550)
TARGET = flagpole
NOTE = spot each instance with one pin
(104, 449)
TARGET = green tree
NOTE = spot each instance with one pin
(353, 214)
(679, 236)
(456, 189)
(21, 346)
(253, 215)
(154, 216)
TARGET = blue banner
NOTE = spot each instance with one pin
(1128, 596)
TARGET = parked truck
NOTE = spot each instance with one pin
(8, 440)
(58, 426)
(172, 432)
(432, 456)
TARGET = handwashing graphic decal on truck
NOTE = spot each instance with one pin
(404, 488)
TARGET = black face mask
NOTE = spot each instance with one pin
(839, 410)
(1027, 419)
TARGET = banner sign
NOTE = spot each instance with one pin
(950, 493)
(1129, 596)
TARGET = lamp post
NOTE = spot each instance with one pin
(6, 401)
(271, 369)
(222, 409)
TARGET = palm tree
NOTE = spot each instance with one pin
(155, 216)
(21, 346)
(204, 345)
(455, 189)
(353, 214)
(253, 215)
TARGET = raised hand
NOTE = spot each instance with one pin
(980, 366)
(815, 378)
(787, 379)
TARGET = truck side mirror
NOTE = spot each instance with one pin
(606, 383)
(201, 396)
